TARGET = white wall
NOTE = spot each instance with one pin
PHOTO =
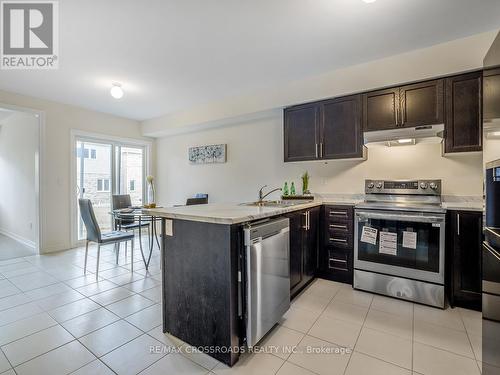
(255, 158)
(446, 58)
(18, 150)
(491, 150)
(55, 191)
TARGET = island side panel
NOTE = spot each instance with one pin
(200, 279)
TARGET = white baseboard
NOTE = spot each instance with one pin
(18, 238)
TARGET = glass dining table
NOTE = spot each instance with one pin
(141, 218)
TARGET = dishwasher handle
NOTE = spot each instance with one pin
(261, 231)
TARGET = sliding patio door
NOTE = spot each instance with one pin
(94, 181)
(131, 172)
(104, 168)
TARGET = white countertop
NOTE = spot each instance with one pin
(236, 213)
(463, 206)
(226, 213)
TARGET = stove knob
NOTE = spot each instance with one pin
(423, 185)
(433, 186)
(371, 185)
(379, 185)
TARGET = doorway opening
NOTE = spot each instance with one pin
(20, 143)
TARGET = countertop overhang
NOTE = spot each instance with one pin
(227, 213)
(237, 213)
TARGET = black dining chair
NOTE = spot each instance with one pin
(195, 201)
(94, 235)
(121, 201)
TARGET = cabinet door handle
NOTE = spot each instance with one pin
(338, 240)
(316, 150)
(305, 221)
(458, 224)
(331, 266)
(396, 107)
(342, 213)
(338, 260)
(402, 106)
(336, 226)
(321, 150)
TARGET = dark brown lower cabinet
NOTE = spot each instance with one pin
(464, 248)
(304, 241)
(337, 248)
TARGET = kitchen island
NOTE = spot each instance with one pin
(202, 263)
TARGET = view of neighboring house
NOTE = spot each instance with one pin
(94, 166)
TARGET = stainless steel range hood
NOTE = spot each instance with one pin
(418, 132)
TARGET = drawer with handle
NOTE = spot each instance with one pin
(335, 214)
(340, 262)
(339, 227)
(339, 239)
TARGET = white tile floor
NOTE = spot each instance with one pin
(55, 320)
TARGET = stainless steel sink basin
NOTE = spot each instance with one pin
(281, 203)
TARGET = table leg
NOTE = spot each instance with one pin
(156, 235)
(140, 244)
(153, 232)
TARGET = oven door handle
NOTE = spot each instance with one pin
(491, 250)
(400, 217)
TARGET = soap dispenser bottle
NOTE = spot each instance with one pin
(285, 189)
(292, 189)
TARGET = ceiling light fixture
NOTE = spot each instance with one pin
(369, 1)
(405, 140)
(116, 91)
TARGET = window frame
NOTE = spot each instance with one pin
(103, 185)
(77, 135)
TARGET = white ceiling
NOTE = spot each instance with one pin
(174, 55)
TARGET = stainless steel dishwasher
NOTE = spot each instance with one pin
(267, 248)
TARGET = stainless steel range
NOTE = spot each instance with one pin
(399, 245)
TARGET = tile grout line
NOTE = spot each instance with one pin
(7, 358)
(412, 337)
(470, 343)
(307, 333)
(359, 334)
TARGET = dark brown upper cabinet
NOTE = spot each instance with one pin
(463, 125)
(421, 104)
(491, 82)
(406, 106)
(301, 132)
(341, 132)
(381, 109)
(329, 129)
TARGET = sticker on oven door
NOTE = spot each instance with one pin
(369, 235)
(388, 243)
(409, 239)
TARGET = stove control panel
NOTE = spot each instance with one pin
(406, 187)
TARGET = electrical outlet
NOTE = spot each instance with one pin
(169, 230)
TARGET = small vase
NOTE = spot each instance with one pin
(151, 194)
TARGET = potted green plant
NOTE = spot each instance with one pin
(305, 183)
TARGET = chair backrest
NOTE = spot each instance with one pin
(121, 201)
(194, 201)
(89, 219)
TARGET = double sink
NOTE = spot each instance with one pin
(278, 203)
